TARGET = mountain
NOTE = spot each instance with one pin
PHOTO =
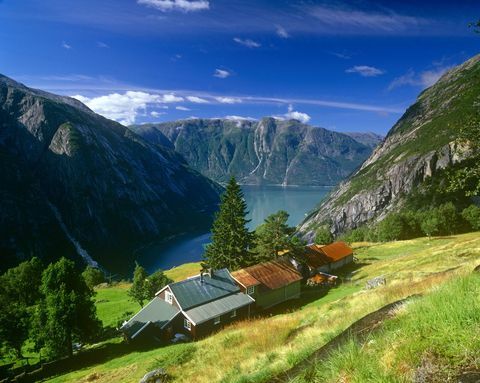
(369, 139)
(416, 150)
(77, 184)
(269, 151)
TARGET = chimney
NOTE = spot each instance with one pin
(201, 276)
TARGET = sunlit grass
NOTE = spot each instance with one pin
(256, 349)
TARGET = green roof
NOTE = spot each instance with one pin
(218, 307)
(156, 312)
(194, 291)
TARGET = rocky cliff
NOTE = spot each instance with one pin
(74, 183)
(419, 145)
(269, 151)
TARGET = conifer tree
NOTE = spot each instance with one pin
(137, 291)
(231, 240)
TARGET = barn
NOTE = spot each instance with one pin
(327, 258)
(269, 283)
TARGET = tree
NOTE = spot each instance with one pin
(93, 276)
(273, 236)
(137, 291)
(154, 283)
(66, 312)
(471, 214)
(323, 236)
(448, 218)
(19, 291)
(430, 224)
(231, 241)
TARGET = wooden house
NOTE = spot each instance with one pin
(327, 258)
(195, 307)
(269, 283)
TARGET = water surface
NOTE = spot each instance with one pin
(261, 201)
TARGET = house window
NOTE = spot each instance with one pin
(187, 324)
(169, 297)
(216, 320)
(233, 314)
(250, 290)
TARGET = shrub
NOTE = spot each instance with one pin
(323, 236)
(472, 215)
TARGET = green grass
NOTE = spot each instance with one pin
(256, 349)
(436, 337)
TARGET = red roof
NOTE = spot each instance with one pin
(317, 255)
(273, 274)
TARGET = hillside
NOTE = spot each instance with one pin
(416, 150)
(73, 183)
(259, 349)
(269, 151)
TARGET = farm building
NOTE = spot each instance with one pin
(269, 283)
(327, 258)
(195, 307)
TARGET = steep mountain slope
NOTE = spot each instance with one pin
(75, 183)
(368, 138)
(419, 146)
(269, 151)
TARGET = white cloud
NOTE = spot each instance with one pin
(423, 79)
(169, 98)
(357, 21)
(247, 43)
(197, 100)
(182, 108)
(221, 73)
(124, 108)
(228, 100)
(177, 5)
(293, 114)
(282, 32)
(65, 45)
(239, 118)
(365, 70)
(157, 114)
(101, 44)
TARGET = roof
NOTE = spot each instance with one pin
(317, 255)
(273, 274)
(244, 278)
(218, 307)
(157, 312)
(336, 251)
(193, 292)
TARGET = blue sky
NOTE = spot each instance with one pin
(342, 65)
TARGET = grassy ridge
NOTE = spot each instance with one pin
(256, 349)
(435, 338)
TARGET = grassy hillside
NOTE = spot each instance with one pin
(259, 348)
(435, 338)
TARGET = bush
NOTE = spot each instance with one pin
(472, 215)
(392, 228)
(93, 276)
(323, 236)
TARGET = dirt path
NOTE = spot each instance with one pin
(360, 330)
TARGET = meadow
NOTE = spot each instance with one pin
(258, 349)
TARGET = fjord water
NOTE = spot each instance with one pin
(261, 201)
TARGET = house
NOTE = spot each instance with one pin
(195, 307)
(269, 283)
(327, 258)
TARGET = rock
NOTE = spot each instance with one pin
(375, 282)
(477, 269)
(156, 376)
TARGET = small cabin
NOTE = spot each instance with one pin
(326, 258)
(195, 307)
(269, 283)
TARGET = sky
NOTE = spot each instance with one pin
(342, 65)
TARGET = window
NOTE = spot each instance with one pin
(216, 320)
(250, 290)
(233, 314)
(169, 297)
(187, 324)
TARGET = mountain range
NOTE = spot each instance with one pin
(268, 151)
(73, 183)
(418, 148)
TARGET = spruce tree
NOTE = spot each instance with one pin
(231, 240)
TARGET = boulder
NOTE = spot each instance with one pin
(156, 376)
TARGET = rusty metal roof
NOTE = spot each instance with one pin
(336, 251)
(273, 274)
(244, 278)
